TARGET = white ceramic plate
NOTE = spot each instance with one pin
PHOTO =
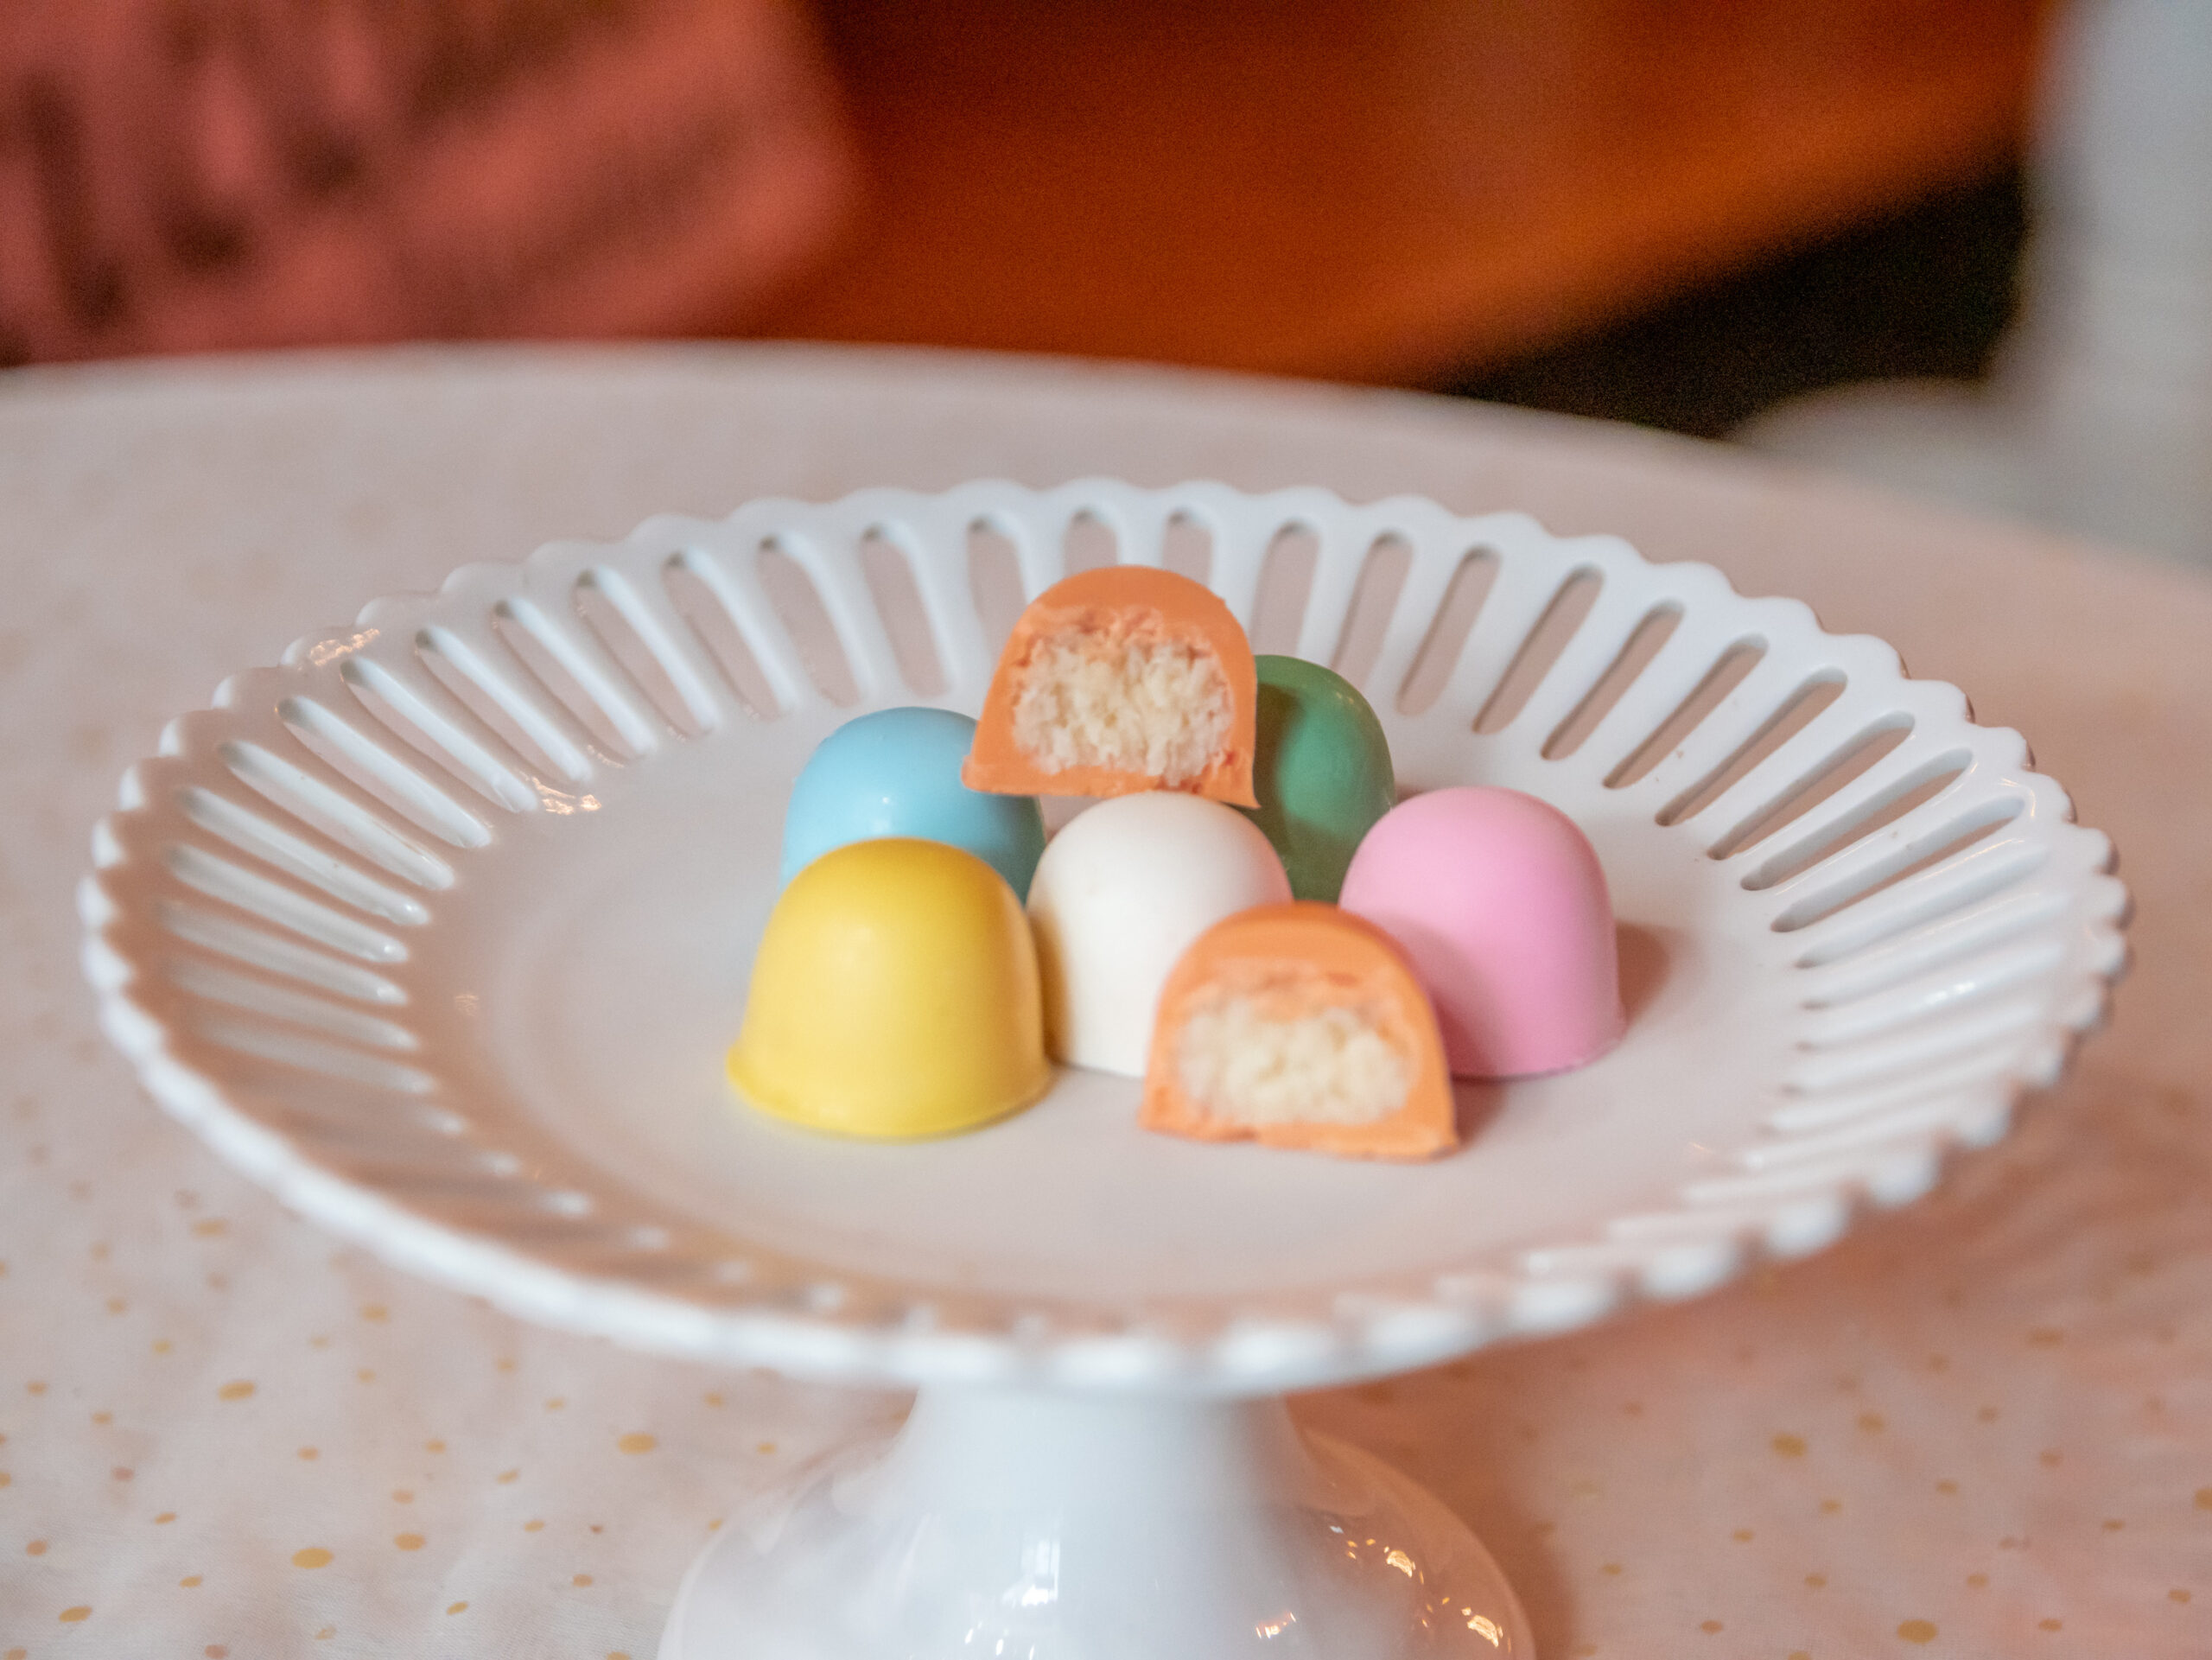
(441, 930)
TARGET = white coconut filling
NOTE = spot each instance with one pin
(1330, 1067)
(1155, 706)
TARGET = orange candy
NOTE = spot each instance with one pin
(1123, 678)
(1300, 1026)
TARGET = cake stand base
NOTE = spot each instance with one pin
(1022, 1525)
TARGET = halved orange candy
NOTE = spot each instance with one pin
(1124, 678)
(1300, 1026)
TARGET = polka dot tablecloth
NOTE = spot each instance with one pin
(1981, 1426)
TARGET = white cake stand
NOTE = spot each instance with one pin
(441, 929)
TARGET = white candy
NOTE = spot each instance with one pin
(1118, 896)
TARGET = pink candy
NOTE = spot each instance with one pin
(1500, 901)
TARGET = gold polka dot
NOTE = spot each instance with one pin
(2114, 1524)
(375, 1312)
(556, 1403)
(1947, 1485)
(326, 1634)
(6, 1480)
(190, 1581)
(1710, 1625)
(1789, 1447)
(1798, 1654)
(1939, 1363)
(509, 1475)
(103, 1417)
(1830, 1506)
(456, 1607)
(237, 1389)
(165, 1516)
(1742, 1536)
(163, 1345)
(313, 1556)
(2050, 1457)
(770, 1447)
(71, 1616)
(1988, 1414)
(2051, 1624)
(1872, 1423)
(37, 1386)
(1917, 1631)
(1816, 1580)
(367, 1375)
(117, 1305)
(1612, 1567)
(2177, 1595)
(580, 1579)
(401, 1495)
(320, 1341)
(2204, 1498)
(213, 1227)
(1976, 1581)
(24, 1654)
(309, 1454)
(216, 1651)
(712, 1525)
(711, 1398)
(408, 1540)
(636, 1442)
(434, 1445)
(36, 1548)
(2045, 1337)
(531, 1526)
(122, 1472)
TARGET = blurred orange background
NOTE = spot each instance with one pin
(1405, 191)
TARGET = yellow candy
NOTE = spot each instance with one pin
(895, 996)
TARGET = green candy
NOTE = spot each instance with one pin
(1322, 773)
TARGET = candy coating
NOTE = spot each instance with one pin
(895, 995)
(1321, 771)
(1500, 903)
(897, 773)
(1120, 894)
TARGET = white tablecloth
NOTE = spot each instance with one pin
(1979, 1426)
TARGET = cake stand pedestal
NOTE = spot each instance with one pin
(1051, 1525)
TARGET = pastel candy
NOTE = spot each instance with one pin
(895, 995)
(897, 773)
(1500, 903)
(1321, 772)
(1300, 1026)
(1120, 894)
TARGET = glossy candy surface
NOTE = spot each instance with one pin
(895, 995)
(1500, 903)
(897, 773)
(1116, 680)
(1120, 894)
(1300, 1026)
(1321, 772)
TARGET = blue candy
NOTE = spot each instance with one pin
(897, 773)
